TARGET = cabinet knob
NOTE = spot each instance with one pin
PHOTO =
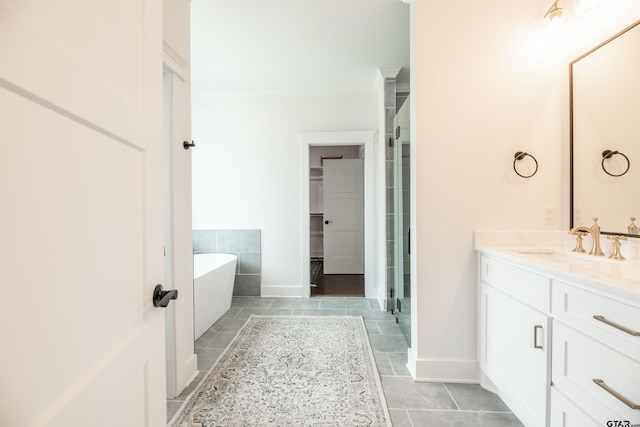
(327, 222)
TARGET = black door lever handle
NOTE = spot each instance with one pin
(162, 298)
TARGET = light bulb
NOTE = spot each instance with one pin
(555, 23)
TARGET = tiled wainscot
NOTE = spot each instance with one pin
(243, 243)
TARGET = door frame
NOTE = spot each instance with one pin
(181, 367)
(366, 139)
(167, 104)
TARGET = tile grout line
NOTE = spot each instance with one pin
(209, 342)
(452, 398)
(409, 416)
(469, 411)
(395, 374)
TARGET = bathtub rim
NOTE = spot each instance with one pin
(218, 259)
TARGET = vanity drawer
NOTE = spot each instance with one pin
(564, 413)
(578, 360)
(530, 288)
(577, 308)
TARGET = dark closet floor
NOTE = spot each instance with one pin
(343, 285)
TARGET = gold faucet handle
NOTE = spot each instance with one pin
(615, 243)
(579, 236)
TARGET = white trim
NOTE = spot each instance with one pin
(371, 231)
(280, 292)
(169, 50)
(170, 324)
(273, 93)
(411, 361)
(389, 72)
(442, 370)
(173, 61)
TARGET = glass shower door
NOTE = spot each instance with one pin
(402, 217)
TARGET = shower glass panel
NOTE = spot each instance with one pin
(402, 217)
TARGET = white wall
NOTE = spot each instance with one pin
(246, 166)
(489, 80)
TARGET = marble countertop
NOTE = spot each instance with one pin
(551, 253)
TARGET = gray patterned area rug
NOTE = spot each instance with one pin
(291, 371)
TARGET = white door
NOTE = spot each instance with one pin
(343, 194)
(81, 233)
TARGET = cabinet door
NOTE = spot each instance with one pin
(516, 355)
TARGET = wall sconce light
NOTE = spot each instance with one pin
(554, 14)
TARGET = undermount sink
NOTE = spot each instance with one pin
(564, 256)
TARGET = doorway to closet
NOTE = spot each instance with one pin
(336, 219)
(373, 231)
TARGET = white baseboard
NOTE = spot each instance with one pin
(281, 291)
(487, 384)
(450, 371)
(411, 362)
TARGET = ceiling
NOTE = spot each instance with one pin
(275, 45)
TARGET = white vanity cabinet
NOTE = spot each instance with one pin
(596, 357)
(561, 349)
(514, 337)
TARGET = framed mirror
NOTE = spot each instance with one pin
(605, 135)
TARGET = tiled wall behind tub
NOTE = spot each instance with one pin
(243, 243)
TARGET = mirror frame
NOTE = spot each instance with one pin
(571, 132)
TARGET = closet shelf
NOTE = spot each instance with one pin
(316, 214)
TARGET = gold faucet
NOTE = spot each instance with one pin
(615, 244)
(594, 231)
(579, 235)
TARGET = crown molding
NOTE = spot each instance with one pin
(289, 92)
(171, 52)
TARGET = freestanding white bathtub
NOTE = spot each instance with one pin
(213, 278)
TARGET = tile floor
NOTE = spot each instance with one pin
(410, 404)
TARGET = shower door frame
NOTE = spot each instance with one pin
(399, 239)
(400, 250)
